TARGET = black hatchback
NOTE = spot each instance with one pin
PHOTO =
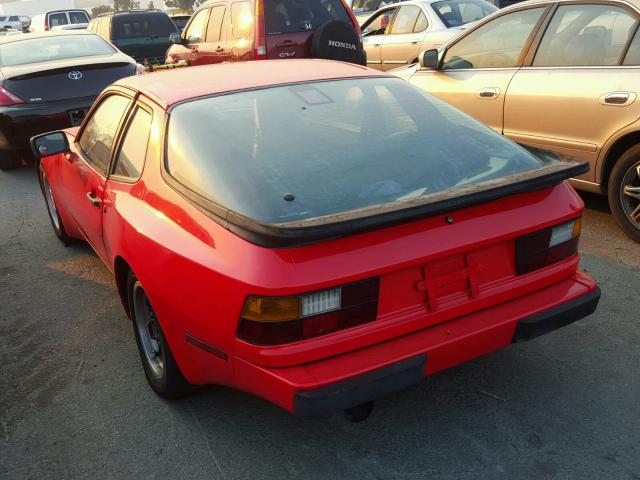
(143, 34)
(48, 81)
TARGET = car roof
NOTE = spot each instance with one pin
(168, 87)
(50, 33)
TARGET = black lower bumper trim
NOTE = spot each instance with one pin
(361, 389)
(557, 317)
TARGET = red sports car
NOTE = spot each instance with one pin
(313, 232)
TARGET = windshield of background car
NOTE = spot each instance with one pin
(296, 152)
(288, 16)
(131, 25)
(370, 5)
(455, 13)
(45, 49)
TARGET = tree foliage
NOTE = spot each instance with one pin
(99, 10)
(186, 4)
(125, 4)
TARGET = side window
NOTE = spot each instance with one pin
(196, 30)
(215, 23)
(633, 55)
(241, 19)
(421, 23)
(78, 17)
(378, 24)
(97, 137)
(14, 19)
(496, 44)
(405, 20)
(587, 35)
(56, 19)
(133, 149)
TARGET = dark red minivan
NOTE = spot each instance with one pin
(240, 30)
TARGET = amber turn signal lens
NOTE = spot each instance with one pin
(271, 309)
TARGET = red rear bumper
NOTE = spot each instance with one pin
(359, 376)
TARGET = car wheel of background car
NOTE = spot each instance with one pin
(624, 192)
(160, 367)
(52, 210)
(9, 160)
(337, 40)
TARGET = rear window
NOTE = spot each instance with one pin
(298, 152)
(78, 17)
(45, 49)
(130, 25)
(288, 16)
(455, 13)
(56, 19)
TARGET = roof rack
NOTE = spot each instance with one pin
(137, 10)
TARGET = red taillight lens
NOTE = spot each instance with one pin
(260, 47)
(277, 320)
(546, 247)
(8, 98)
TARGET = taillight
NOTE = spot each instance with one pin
(260, 46)
(277, 320)
(8, 98)
(545, 247)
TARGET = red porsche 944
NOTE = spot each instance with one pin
(313, 232)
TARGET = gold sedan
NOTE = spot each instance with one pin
(563, 76)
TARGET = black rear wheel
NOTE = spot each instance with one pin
(159, 365)
(9, 160)
(624, 192)
(52, 210)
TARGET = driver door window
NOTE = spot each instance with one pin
(195, 33)
(379, 23)
(96, 141)
(496, 44)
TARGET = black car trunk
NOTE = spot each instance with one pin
(63, 80)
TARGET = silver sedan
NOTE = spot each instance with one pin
(395, 34)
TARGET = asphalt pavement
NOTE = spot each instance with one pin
(74, 402)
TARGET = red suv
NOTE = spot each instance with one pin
(236, 30)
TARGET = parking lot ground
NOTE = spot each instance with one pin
(74, 402)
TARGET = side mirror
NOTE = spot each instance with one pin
(175, 38)
(48, 144)
(429, 59)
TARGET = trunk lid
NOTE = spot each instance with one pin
(65, 79)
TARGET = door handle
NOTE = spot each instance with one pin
(96, 202)
(489, 92)
(618, 98)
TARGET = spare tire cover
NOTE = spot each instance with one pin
(337, 40)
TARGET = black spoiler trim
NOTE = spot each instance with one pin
(292, 234)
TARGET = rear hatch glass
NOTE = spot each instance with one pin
(144, 36)
(290, 24)
(330, 152)
(78, 17)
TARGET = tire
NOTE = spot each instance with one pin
(338, 40)
(9, 160)
(623, 191)
(52, 210)
(159, 364)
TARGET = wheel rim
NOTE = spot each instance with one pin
(630, 194)
(51, 204)
(148, 331)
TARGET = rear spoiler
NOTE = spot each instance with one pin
(297, 233)
(65, 69)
